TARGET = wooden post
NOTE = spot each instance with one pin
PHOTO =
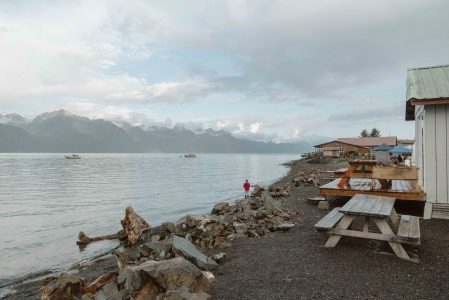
(344, 223)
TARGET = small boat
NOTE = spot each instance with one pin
(73, 156)
(190, 155)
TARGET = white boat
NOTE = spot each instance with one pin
(73, 156)
(190, 155)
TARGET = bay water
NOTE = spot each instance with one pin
(46, 200)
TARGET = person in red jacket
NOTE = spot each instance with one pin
(246, 187)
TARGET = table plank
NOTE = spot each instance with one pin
(369, 205)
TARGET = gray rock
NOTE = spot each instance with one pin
(221, 208)
(183, 293)
(126, 256)
(240, 228)
(183, 247)
(64, 287)
(260, 213)
(154, 249)
(168, 274)
(157, 233)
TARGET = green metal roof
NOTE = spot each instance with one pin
(428, 83)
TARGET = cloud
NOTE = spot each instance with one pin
(333, 61)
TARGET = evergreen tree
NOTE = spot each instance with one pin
(374, 132)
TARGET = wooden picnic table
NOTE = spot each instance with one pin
(380, 210)
(357, 169)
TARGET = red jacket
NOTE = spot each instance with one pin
(246, 186)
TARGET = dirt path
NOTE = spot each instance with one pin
(294, 265)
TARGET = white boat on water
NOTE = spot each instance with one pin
(73, 156)
(190, 155)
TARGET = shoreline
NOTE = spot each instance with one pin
(29, 285)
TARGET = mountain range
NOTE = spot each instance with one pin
(62, 132)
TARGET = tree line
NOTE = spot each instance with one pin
(374, 133)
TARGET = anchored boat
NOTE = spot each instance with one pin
(73, 156)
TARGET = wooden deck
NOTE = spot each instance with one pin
(399, 189)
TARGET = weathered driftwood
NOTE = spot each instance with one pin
(84, 239)
(133, 226)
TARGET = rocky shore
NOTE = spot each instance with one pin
(260, 248)
(169, 261)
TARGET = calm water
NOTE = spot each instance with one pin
(46, 200)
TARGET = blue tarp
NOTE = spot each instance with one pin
(384, 147)
(401, 150)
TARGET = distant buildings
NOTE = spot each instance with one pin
(428, 105)
(358, 145)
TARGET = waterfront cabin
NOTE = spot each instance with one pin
(428, 105)
(357, 145)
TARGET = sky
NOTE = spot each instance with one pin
(265, 70)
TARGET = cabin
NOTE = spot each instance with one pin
(406, 143)
(337, 148)
(357, 145)
(427, 103)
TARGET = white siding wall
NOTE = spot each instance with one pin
(436, 156)
(419, 114)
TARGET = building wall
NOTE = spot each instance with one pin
(419, 145)
(434, 149)
(347, 148)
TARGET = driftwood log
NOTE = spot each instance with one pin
(133, 226)
(84, 239)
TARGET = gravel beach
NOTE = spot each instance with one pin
(295, 265)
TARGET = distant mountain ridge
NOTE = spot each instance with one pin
(61, 131)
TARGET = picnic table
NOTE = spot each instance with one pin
(379, 209)
(357, 169)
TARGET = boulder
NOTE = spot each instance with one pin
(156, 249)
(183, 293)
(65, 286)
(166, 275)
(157, 233)
(125, 256)
(272, 207)
(133, 225)
(257, 191)
(108, 291)
(101, 281)
(150, 291)
(183, 247)
(240, 228)
(221, 208)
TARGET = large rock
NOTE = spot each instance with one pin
(183, 247)
(133, 225)
(221, 208)
(125, 256)
(157, 250)
(157, 233)
(166, 274)
(272, 207)
(183, 293)
(101, 281)
(65, 287)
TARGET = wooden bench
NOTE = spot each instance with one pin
(409, 229)
(330, 220)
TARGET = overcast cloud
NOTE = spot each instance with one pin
(279, 70)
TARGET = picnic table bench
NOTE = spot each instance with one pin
(379, 209)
